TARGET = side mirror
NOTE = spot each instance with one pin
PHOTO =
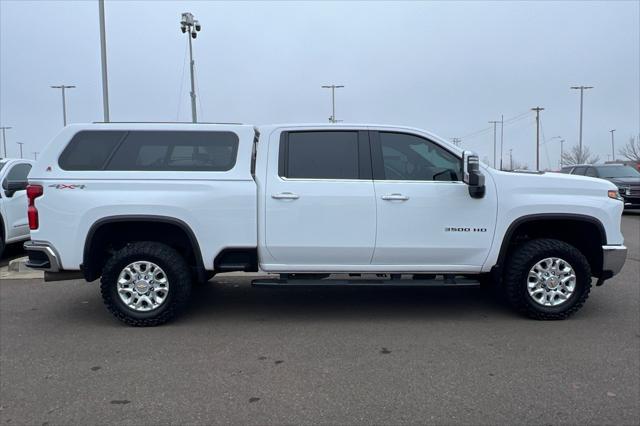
(11, 186)
(471, 174)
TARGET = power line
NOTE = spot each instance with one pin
(488, 129)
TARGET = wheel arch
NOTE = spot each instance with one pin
(92, 266)
(569, 221)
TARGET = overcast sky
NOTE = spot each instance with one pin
(446, 67)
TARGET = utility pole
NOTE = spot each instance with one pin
(191, 26)
(494, 142)
(103, 57)
(35, 155)
(501, 137)
(561, 151)
(333, 88)
(456, 141)
(510, 158)
(64, 101)
(582, 89)
(20, 143)
(4, 139)
(613, 151)
(537, 110)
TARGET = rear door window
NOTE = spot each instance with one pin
(579, 170)
(324, 155)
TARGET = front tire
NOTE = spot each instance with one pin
(547, 279)
(145, 284)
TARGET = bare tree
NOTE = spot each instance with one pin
(578, 156)
(631, 150)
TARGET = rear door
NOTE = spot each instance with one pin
(426, 218)
(320, 204)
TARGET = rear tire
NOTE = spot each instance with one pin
(146, 284)
(553, 295)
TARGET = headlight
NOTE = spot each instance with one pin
(613, 193)
(626, 190)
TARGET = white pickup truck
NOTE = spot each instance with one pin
(13, 201)
(152, 208)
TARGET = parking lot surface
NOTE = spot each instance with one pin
(335, 355)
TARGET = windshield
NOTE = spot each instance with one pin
(618, 172)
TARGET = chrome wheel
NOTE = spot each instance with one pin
(551, 281)
(143, 286)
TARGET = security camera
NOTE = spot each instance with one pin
(194, 34)
(184, 29)
(198, 26)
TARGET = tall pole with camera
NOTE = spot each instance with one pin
(191, 26)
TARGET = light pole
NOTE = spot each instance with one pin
(4, 139)
(191, 26)
(561, 147)
(537, 110)
(103, 57)
(35, 155)
(511, 159)
(582, 89)
(494, 141)
(501, 137)
(64, 101)
(333, 88)
(613, 151)
(20, 143)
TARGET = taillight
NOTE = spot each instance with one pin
(33, 192)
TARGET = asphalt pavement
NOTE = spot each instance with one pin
(243, 355)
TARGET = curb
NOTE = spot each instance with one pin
(17, 270)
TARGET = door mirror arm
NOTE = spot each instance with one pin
(471, 174)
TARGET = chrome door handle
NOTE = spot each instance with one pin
(395, 197)
(285, 196)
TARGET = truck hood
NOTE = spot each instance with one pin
(624, 181)
(549, 183)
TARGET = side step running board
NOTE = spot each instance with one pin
(457, 282)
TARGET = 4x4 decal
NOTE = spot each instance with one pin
(66, 186)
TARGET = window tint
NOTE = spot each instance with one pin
(321, 155)
(409, 157)
(177, 151)
(89, 150)
(591, 171)
(19, 172)
(579, 170)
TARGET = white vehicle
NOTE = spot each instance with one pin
(151, 208)
(13, 201)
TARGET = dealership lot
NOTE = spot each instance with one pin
(334, 355)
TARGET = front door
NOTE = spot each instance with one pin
(426, 218)
(320, 205)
